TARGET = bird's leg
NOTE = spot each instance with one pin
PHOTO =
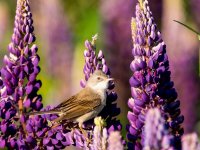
(90, 135)
(85, 134)
(54, 124)
(82, 130)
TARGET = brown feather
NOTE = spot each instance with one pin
(83, 102)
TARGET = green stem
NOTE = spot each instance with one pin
(188, 27)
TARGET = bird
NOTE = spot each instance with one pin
(86, 104)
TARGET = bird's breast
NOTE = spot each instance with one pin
(103, 96)
(89, 115)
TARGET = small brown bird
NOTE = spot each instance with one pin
(86, 104)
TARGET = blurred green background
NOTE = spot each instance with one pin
(62, 26)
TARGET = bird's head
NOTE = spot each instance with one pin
(99, 81)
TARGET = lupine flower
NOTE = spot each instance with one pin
(97, 138)
(103, 141)
(150, 82)
(155, 134)
(100, 135)
(190, 142)
(115, 141)
(93, 62)
(22, 62)
(19, 88)
(55, 137)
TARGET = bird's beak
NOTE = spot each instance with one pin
(111, 79)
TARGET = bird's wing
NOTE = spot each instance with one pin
(79, 104)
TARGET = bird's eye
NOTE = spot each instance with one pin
(98, 78)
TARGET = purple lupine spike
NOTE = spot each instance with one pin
(150, 82)
(19, 86)
(104, 138)
(97, 138)
(95, 61)
(53, 136)
(21, 64)
(155, 134)
(100, 135)
(190, 141)
(115, 141)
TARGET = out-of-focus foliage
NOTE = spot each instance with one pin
(183, 51)
(83, 17)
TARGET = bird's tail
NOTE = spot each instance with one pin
(44, 112)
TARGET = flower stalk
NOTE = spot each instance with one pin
(155, 135)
